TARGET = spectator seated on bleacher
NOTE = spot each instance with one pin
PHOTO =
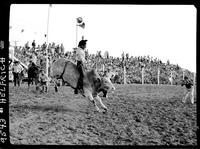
(133, 64)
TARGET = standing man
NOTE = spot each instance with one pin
(17, 69)
(34, 58)
(33, 45)
(62, 48)
(189, 87)
(43, 81)
(80, 58)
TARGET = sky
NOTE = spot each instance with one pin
(166, 32)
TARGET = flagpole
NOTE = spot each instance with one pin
(47, 61)
(142, 75)
(76, 34)
(124, 74)
(81, 24)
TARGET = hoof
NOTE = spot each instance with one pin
(99, 110)
(105, 110)
(37, 88)
(75, 91)
(102, 111)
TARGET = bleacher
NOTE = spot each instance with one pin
(133, 64)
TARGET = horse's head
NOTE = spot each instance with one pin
(107, 85)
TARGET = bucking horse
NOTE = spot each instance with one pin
(93, 84)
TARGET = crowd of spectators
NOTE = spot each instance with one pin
(104, 62)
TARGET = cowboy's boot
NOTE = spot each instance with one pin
(77, 87)
(81, 86)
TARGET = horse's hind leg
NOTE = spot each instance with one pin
(46, 88)
(37, 84)
(28, 84)
(55, 85)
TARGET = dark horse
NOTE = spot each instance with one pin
(33, 74)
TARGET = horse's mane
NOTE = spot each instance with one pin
(34, 66)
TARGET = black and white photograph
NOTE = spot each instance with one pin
(98, 74)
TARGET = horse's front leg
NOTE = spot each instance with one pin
(90, 97)
(100, 101)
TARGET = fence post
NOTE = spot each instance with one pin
(171, 78)
(192, 98)
(158, 77)
(142, 75)
(124, 74)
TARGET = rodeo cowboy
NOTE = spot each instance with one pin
(80, 58)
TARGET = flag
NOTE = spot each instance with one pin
(82, 25)
(79, 20)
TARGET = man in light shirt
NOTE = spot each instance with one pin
(34, 58)
(16, 69)
(43, 81)
(80, 58)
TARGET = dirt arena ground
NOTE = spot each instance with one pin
(137, 115)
